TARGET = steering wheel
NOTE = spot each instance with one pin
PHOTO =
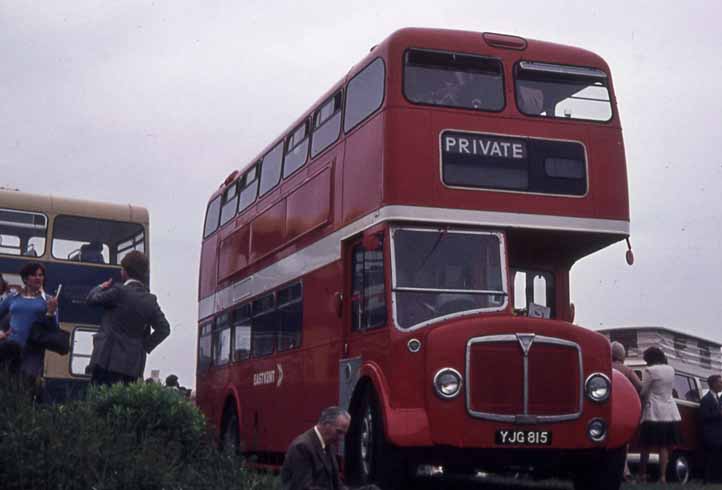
(429, 307)
(448, 99)
(456, 305)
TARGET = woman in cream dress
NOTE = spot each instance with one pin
(660, 416)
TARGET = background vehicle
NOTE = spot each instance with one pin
(81, 244)
(403, 250)
(694, 359)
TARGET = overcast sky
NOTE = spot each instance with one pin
(154, 103)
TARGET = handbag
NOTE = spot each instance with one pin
(49, 338)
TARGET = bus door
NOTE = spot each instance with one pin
(365, 309)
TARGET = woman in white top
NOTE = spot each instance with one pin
(660, 416)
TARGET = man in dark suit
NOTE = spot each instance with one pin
(131, 312)
(710, 413)
(310, 462)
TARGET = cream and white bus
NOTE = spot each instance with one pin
(81, 244)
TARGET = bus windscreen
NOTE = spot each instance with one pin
(443, 272)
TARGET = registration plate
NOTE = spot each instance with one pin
(512, 437)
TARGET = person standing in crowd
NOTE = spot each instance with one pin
(171, 381)
(660, 416)
(619, 354)
(4, 293)
(131, 312)
(3, 288)
(710, 412)
(31, 306)
(310, 461)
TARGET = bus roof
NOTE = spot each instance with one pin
(49, 204)
(455, 39)
(444, 39)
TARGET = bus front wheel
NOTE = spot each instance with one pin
(372, 458)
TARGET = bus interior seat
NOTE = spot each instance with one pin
(531, 100)
(92, 252)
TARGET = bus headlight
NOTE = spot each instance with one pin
(597, 430)
(447, 383)
(598, 387)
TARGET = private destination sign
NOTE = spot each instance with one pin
(482, 145)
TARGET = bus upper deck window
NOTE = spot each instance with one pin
(22, 233)
(453, 80)
(249, 188)
(212, 215)
(271, 169)
(95, 240)
(296, 150)
(326, 124)
(230, 203)
(364, 94)
(561, 91)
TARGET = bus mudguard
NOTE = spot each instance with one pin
(403, 426)
(626, 411)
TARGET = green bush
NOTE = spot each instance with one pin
(140, 436)
(149, 410)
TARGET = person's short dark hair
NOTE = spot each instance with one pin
(30, 269)
(171, 380)
(330, 414)
(653, 356)
(712, 379)
(136, 265)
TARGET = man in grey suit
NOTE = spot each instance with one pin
(310, 462)
(131, 312)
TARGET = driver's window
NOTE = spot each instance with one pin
(368, 289)
(534, 288)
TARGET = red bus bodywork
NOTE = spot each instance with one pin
(385, 175)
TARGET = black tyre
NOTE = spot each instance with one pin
(230, 437)
(371, 458)
(678, 469)
(602, 473)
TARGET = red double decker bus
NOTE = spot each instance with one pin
(403, 250)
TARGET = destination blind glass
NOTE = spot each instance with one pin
(508, 163)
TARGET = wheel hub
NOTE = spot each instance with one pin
(366, 444)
